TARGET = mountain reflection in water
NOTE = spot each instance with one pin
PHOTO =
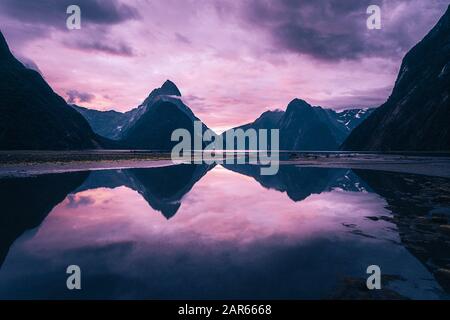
(197, 231)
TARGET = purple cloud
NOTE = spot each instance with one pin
(359, 98)
(336, 29)
(53, 12)
(75, 96)
(119, 48)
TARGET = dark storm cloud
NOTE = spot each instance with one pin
(46, 16)
(336, 29)
(53, 12)
(74, 96)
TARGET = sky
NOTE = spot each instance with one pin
(231, 60)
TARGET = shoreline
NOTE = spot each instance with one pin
(31, 163)
(35, 169)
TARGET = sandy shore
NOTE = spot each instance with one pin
(424, 165)
(29, 163)
(22, 163)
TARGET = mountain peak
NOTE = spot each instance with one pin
(4, 49)
(169, 88)
(297, 103)
(301, 102)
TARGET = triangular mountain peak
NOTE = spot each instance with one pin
(169, 88)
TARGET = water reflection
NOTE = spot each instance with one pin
(227, 237)
(421, 207)
(162, 187)
(26, 202)
(300, 182)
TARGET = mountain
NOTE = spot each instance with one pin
(112, 124)
(105, 123)
(167, 92)
(33, 116)
(148, 126)
(154, 128)
(153, 123)
(351, 118)
(268, 120)
(304, 127)
(417, 114)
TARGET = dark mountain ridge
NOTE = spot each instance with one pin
(114, 125)
(104, 123)
(33, 116)
(148, 126)
(304, 127)
(416, 116)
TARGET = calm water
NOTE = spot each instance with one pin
(193, 231)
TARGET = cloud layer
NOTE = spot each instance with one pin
(53, 12)
(74, 96)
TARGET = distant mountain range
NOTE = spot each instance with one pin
(304, 127)
(150, 125)
(417, 114)
(105, 123)
(415, 117)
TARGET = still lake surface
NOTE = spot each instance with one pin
(224, 232)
